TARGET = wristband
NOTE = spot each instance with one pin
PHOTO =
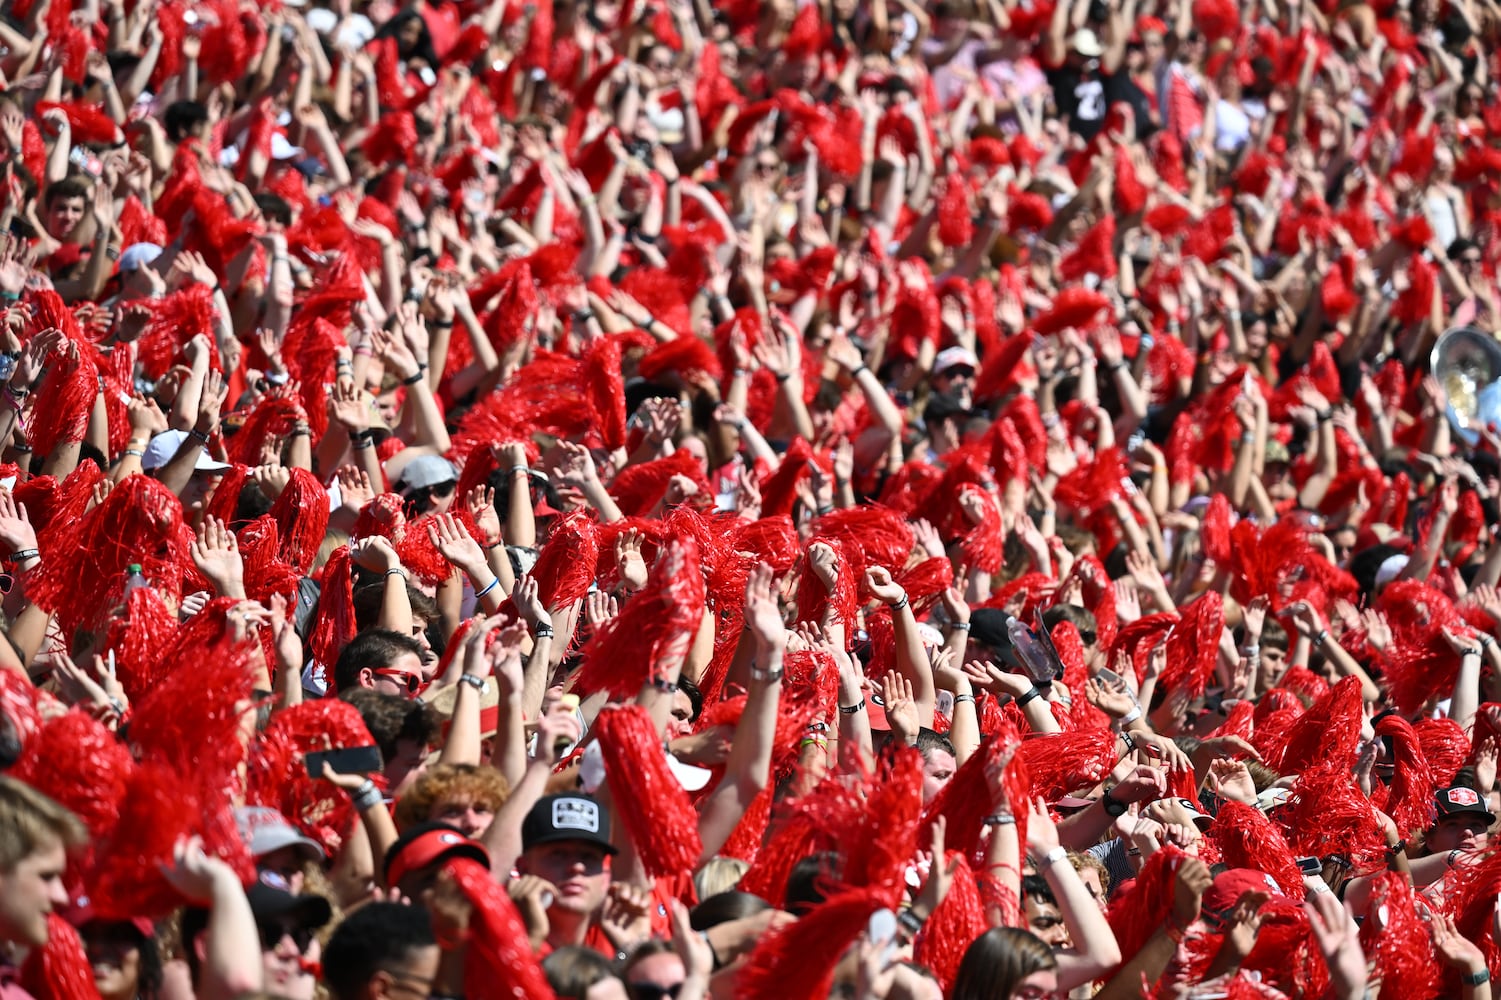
(137, 452)
(1054, 855)
(1033, 692)
(543, 627)
(367, 796)
(493, 545)
(23, 555)
(494, 582)
(899, 605)
(910, 922)
(1476, 978)
(1126, 739)
(1471, 651)
(396, 569)
(198, 436)
(413, 379)
(854, 709)
(1000, 819)
(855, 372)
(1131, 716)
(783, 377)
(1400, 847)
(959, 626)
(478, 683)
(1318, 640)
(964, 699)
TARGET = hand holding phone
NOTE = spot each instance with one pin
(345, 760)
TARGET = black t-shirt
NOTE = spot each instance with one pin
(1084, 97)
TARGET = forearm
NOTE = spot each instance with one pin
(509, 757)
(912, 661)
(427, 421)
(395, 605)
(232, 960)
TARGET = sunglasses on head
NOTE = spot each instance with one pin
(412, 682)
(651, 991)
(271, 935)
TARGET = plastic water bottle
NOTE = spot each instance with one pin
(1031, 653)
(134, 579)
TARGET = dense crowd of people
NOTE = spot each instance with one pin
(861, 499)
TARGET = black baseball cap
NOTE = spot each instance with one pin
(270, 903)
(567, 817)
(1457, 800)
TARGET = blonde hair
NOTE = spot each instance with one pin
(31, 822)
(718, 875)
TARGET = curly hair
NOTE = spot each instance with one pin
(450, 783)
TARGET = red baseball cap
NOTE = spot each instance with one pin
(1233, 883)
(425, 845)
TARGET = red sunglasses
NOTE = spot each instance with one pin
(412, 682)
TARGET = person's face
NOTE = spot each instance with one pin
(408, 765)
(200, 490)
(412, 977)
(1466, 831)
(1091, 879)
(1044, 920)
(579, 870)
(408, 35)
(284, 866)
(1037, 986)
(402, 678)
(681, 722)
(656, 977)
(115, 958)
(472, 817)
(289, 954)
(1152, 47)
(63, 216)
(805, 72)
(440, 498)
(1469, 262)
(1273, 663)
(1344, 544)
(30, 891)
(937, 769)
(960, 380)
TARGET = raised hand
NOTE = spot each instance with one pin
(216, 553)
(762, 616)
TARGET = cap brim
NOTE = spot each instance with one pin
(690, 776)
(308, 910)
(277, 840)
(559, 836)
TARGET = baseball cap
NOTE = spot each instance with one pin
(1458, 800)
(425, 845)
(954, 357)
(265, 830)
(269, 903)
(82, 913)
(567, 817)
(164, 445)
(137, 256)
(425, 471)
(987, 626)
(1233, 883)
(1087, 43)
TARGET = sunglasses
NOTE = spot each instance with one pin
(960, 371)
(651, 991)
(1087, 636)
(412, 682)
(271, 935)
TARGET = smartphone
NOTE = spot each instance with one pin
(86, 161)
(346, 760)
(1109, 676)
(427, 76)
(882, 933)
(1311, 866)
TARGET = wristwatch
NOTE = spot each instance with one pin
(1113, 807)
(1476, 978)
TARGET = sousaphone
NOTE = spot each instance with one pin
(1467, 363)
